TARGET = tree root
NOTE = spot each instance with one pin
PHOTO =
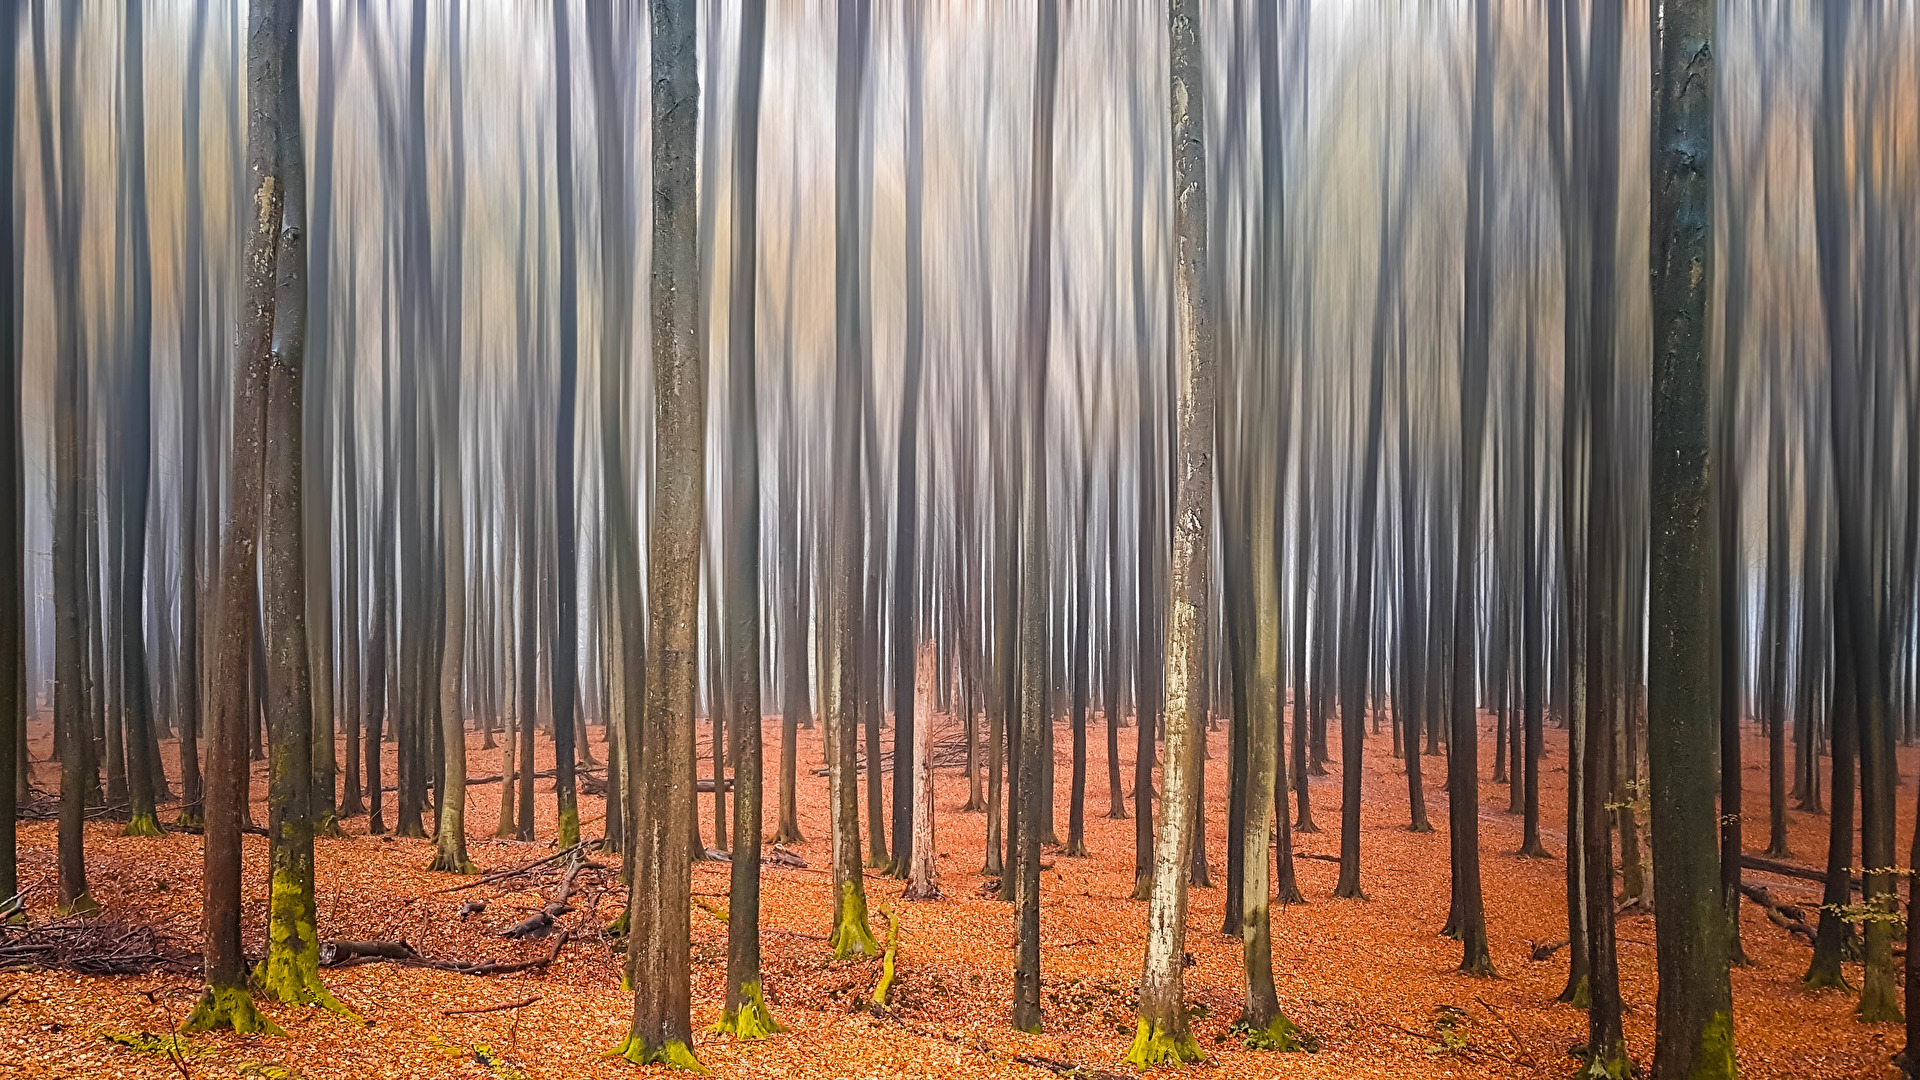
(673, 1053)
(222, 1008)
(1153, 1045)
(749, 1019)
(146, 824)
(1281, 1034)
(851, 934)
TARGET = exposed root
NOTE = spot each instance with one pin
(228, 1008)
(749, 1019)
(144, 824)
(673, 1053)
(1281, 1034)
(1153, 1045)
(851, 934)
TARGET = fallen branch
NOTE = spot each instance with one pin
(458, 967)
(1792, 870)
(502, 875)
(502, 1007)
(541, 922)
(1788, 917)
(338, 953)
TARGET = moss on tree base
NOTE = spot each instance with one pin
(569, 827)
(191, 819)
(291, 975)
(1713, 1060)
(750, 1020)
(1280, 1034)
(143, 824)
(851, 934)
(673, 1053)
(1154, 1045)
(228, 1008)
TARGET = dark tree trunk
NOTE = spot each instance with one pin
(1693, 1029)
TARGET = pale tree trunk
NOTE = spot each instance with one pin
(450, 832)
(1162, 1034)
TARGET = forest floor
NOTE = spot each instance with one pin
(1372, 980)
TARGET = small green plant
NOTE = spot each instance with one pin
(145, 1042)
(266, 1070)
(1450, 1024)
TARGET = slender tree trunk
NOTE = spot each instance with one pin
(746, 1008)
(841, 682)
(1162, 1034)
(226, 1002)
(1035, 648)
(13, 587)
(566, 640)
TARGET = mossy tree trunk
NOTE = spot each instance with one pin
(292, 971)
(1162, 1034)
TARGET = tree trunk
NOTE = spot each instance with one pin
(1693, 1030)
(226, 1001)
(566, 633)
(1162, 1034)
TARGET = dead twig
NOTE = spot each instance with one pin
(502, 1007)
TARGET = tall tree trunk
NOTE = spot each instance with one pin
(292, 973)
(1693, 1028)
(1035, 648)
(1469, 923)
(660, 759)
(1162, 1034)
(13, 522)
(746, 1009)
(450, 830)
(566, 633)
(135, 438)
(841, 684)
(226, 1001)
(906, 535)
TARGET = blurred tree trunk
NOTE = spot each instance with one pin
(134, 437)
(565, 651)
(746, 1008)
(191, 677)
(14, 697)
(906, 536)
(320, 452)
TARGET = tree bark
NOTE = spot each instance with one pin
(1162, 1034)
